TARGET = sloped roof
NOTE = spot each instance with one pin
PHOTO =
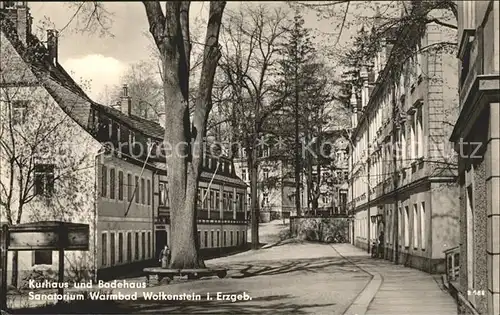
(148, 127)
(70, 96)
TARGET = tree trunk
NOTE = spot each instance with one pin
(15, 269)
(253, 168)
(184, 141)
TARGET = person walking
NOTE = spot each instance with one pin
(381, 244)
(164, 258)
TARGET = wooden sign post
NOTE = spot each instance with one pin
(3, 263)
(47, 235)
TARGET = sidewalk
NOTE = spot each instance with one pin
(396, 289)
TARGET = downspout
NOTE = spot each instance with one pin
(153, 230)
(395, 219)
(369, 240)
(96, 198)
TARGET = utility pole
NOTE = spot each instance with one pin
(298, 165)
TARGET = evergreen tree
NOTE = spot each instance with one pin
(303, 115)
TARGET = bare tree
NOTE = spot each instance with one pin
(185, 131)
(171, 32)
(43, 176)
(251, 46)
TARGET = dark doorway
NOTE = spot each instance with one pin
(161, 240)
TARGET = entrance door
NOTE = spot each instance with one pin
(161, 240)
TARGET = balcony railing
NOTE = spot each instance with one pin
(452, 256)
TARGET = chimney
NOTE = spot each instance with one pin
(365, 89)
(354, 106)
(161, 119)
(18, 12)
(126, 102)
(52, 46)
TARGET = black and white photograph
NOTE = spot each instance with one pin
(250, 157)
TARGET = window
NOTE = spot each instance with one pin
(199, 198)
(112, 188)
(149, 192)
(120, 185)
(420, 135)
(204, 198)
(237, 204)
(413, 140)
(19, 111)
(224, 240)
(403, 144)
(419, 61)
(212, 239)
(120, 247)
(423, 236)
(129, 187)
(44, 179)
(112, 248)
(136, 189)
(212, 199)
(407, 228)
(143, 193)
(104, 246)
(217, 200)
(129, 247)
(218, 238)
(42, 257)
(241, 202)
(143, 245)
(231, 236)
(265, 199)
(132, 138)
(205, 234)
(243, 237)
(164, 198)
(136, 243)
(199, 238)
(149, 244)
(104, 181)
(400, 225)
(244, 174)
(230, 202)
(237, 237)
(416, 228)
(265, 173)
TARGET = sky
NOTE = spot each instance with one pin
(103, 59)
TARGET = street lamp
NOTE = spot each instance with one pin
(379, 218)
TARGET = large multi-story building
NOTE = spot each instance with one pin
(65, 157)
(402, 170)
(477, 142)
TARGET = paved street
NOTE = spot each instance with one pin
(295, 278)
(270, 232)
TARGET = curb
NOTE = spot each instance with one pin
(360, 304)
(363, 300)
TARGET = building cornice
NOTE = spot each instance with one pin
(465, 42)
(486, 89)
